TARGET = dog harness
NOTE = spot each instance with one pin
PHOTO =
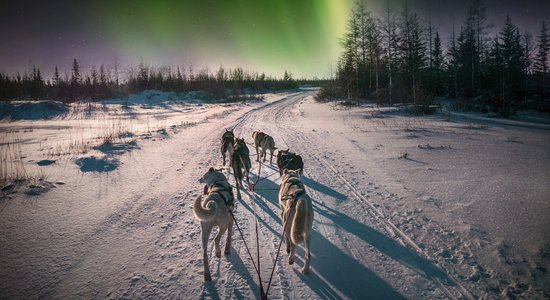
(220, 187)
(290, 183)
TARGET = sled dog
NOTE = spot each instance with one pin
(289, 160)
(228, 140)
(240, 160)
(214, 211)
(264, 142)
(297, 210)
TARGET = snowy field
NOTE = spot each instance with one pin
(449, 206)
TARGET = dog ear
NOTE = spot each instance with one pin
(211, 169)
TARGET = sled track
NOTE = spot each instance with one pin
(398, 234)
(457, 291)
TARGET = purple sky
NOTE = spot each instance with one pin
(49, 33)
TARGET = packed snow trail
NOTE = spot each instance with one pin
(131, 233)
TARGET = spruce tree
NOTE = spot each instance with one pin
(75, 76)
(541, 59)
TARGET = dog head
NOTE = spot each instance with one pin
(239, 144)
(211, 176)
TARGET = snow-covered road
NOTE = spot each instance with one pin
(130, 233)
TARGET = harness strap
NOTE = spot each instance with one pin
(223, 186)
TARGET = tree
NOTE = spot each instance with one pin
(541, 60)
(56, 80)
(348, 72)
(436, 68)
(453, 63)
(392, 44)
(472, 47)
(411, 49)
(527, 62)
(75, 75)
(507, 61)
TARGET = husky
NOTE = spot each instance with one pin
(289, 160)
(216, 210)
(228, 140)
(265, 142)
(240, 160)
(297, 210)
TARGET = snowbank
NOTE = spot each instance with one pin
(32, 110)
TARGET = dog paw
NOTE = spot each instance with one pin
(290, 261)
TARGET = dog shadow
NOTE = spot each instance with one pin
(322, 188)
(384, 244)
(210, 291)
(345, 277)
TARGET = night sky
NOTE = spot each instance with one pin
(270, 36)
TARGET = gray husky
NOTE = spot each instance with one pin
(240, 161)
(297, 210)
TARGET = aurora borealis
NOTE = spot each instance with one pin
(264, 35)
(267, 36)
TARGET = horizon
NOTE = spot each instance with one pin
(301, 37)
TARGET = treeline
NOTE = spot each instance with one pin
(394, 58)
(104, 83)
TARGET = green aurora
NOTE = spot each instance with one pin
(267, 36)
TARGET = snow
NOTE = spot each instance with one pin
(106, 212)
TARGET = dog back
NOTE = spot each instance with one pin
(258, 137)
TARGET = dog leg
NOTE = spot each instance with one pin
(291, 256)
(217, 241)
(223, 155)
(229, 236)
(205, 234)
(286, 234)
(305, 269)
(287, 242)
(238, 191)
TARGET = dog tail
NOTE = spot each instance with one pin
(204, 213)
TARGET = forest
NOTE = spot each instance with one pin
(399, 58)
(108, 82)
